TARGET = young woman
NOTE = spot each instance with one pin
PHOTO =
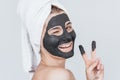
(57, 45)
(48, 33)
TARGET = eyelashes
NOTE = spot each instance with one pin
(57, 30)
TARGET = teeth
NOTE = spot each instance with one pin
(65, 45)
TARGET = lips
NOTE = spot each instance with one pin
(66, 47)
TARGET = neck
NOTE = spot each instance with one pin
(49, 60)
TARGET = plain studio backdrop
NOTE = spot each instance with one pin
(97, 20)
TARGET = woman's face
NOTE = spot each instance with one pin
(59, 36)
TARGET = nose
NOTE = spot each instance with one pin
(65, 38)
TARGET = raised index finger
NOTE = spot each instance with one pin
(84, 55)
(93, 54)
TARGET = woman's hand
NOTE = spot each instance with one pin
(94, 67)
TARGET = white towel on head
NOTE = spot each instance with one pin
(33, 14)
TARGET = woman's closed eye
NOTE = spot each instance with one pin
(57, 31)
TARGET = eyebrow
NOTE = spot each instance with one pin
(68, 23)
(56, 27)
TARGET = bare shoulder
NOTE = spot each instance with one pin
(59, 74)
(54, 73)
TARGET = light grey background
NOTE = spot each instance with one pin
(92, 19)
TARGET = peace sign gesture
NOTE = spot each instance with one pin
(94, 67)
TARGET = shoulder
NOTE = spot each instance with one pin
(54, 73)
(58, 74)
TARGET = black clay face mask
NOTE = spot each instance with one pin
(52, 42)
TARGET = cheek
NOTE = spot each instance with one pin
(73, 34)
(51, 41)
(54, 40)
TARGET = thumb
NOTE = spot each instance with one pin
(93, 66)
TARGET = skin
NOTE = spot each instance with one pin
(53, 67)
(94, 66)
(57, 33)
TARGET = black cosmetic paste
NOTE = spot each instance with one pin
(51, 42)
(81, 49)
(93, 45)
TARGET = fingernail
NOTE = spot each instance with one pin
(81, 49)
(93, 45)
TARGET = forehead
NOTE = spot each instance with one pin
(59, 19)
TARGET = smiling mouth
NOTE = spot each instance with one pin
(66, 47)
